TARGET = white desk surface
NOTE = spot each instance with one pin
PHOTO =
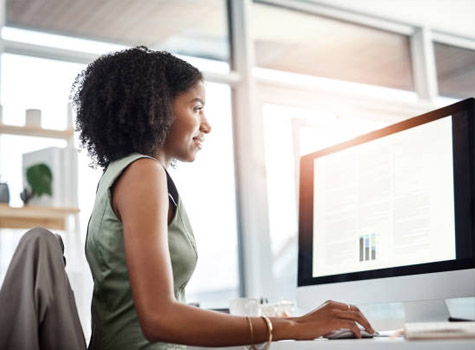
(365, 344)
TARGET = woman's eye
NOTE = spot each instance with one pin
(198, 109)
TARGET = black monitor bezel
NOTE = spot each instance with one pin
(464, 193)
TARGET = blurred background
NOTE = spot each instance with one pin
(284, 78)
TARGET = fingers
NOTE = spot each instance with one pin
(354, 314)
(338, 305)
(352, 327)
(330, 316)
(350, 312)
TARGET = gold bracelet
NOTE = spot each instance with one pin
(270, 328)
(252, 347)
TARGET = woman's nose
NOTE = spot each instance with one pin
(205, 126)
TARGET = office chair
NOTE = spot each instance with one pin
(38, 310)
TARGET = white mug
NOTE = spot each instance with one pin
(244, 307)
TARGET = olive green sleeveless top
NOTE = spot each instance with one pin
(114, 319)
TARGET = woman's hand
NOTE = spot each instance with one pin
(330, 316)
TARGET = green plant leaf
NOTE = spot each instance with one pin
(40, 178)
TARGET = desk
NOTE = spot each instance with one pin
(365, 344)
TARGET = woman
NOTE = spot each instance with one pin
(137, 111)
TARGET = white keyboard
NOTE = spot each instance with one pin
(440, 330)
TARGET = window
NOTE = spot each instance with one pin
(196, 31)
(455, 71)
(330, 48)
(192, 28)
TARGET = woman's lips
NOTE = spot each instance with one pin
(198, 141)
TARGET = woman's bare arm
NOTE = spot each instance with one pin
(140, 200)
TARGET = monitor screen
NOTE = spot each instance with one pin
(394, 202)
(380, 204)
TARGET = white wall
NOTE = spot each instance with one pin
(450, 16)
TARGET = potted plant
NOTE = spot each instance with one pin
(40, 179)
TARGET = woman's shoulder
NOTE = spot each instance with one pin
(141, 168)
(124, 162)
(141, 184)
(135, 166)
(145, 166)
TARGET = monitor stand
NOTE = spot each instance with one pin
(426, 311)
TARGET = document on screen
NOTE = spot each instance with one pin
(388, 202)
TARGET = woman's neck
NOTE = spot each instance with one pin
(163, 158)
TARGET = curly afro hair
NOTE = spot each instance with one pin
(123, 101)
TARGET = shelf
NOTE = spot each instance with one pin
(31, 216)
(35, 131)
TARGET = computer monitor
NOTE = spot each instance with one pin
(389, 216)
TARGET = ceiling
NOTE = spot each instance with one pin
(315, 45)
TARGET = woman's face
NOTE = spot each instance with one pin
(186, 135)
